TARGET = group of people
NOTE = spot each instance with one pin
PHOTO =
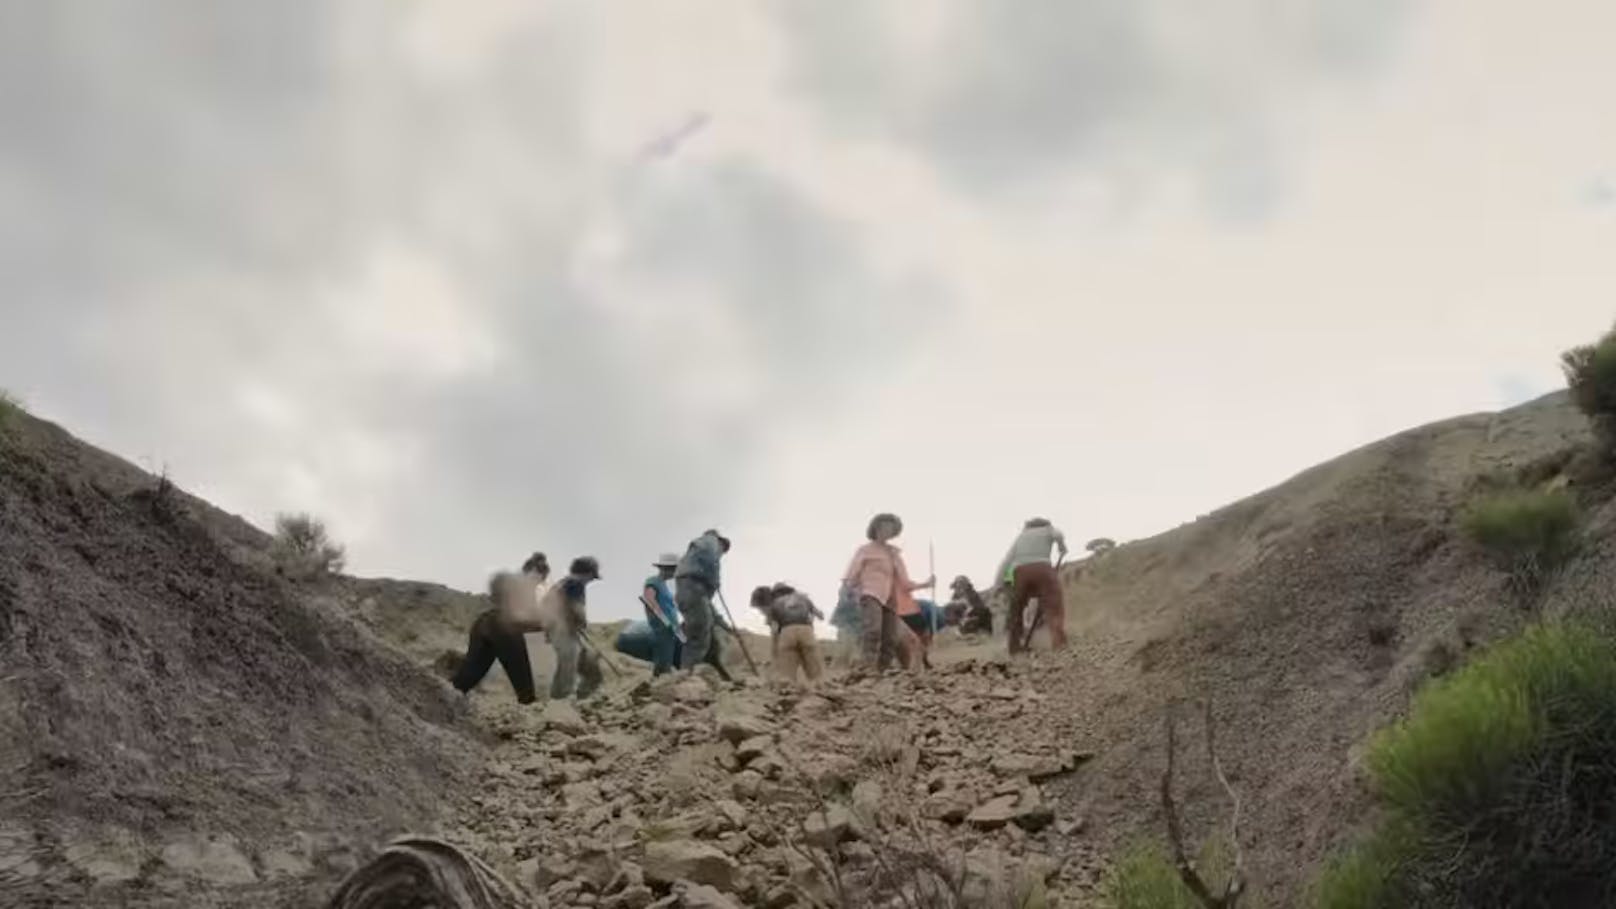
(681, 624)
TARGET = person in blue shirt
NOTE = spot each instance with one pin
(662, 615)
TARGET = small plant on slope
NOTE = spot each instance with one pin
(1590, 372)
(303, 549)
(1497, 787)
(1527, 532)
(10, 406)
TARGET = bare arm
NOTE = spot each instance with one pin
(648, 596)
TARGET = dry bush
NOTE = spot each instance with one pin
(1590, 372)
(303, 549)
(1100, 545)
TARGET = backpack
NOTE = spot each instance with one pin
(794, 609)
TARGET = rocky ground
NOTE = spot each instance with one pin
(690, 792)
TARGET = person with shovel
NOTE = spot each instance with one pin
(695, 582)
(1030, 575)
(662, 614)
(577, 662)
(500, 633)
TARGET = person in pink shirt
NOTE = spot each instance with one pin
(881, 580)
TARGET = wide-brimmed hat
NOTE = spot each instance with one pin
(666, 560)
(884, 518)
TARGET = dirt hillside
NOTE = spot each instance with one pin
(187, 728)
(1308, 614)
(178, 725)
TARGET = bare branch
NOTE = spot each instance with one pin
(1175, 832)
(1237, 875)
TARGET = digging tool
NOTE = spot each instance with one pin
(737, 634)
(589, 644)
(1038, 617)
(678, 633)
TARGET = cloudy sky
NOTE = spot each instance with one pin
(471, 279)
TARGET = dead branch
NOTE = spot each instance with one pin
(1192, 879)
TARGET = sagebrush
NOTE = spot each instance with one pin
(1143, 877)
(10, 406)
(304, 549)
(1497, 788)
(1590, 372)
(1527, 532)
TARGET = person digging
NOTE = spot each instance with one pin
(1031, 574)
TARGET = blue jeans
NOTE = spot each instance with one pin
(664, 649)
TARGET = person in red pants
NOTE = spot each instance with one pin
(1031, 575)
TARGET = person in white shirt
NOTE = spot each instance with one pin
(1030, 575)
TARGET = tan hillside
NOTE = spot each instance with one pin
(189, 728)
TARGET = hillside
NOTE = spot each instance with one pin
(1308, 614)
(181, 726)
(178, 725)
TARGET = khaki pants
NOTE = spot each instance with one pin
(796, 647)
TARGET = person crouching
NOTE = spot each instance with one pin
(791, 615)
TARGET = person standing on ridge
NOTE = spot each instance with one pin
(499, 633)
(662, 614)
(1031, 575)
(696, 582)
(878, 573)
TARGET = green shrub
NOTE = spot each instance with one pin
(10, 406)
(1528, 532)
(1498, 786)
(303, 549)
(1590, 372)
(1144, 877)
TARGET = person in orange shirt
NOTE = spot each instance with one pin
(882, 582)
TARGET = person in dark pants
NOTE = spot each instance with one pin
(696, 582)
(492, 640)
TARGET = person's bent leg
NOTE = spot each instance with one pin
(785, 655)
(566, 671)
(480, 654)
(589, 677)
(1052, 600)
(889, 637)
(512, 651)
(1021, 590)
(813, 662)
(696, 605)
(870, 630)
(662, 644)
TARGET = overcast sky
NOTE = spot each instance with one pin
(474, 279)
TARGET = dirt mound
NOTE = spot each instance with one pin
(768, 795)
(179, 725)
(1308, 613)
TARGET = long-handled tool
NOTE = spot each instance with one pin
(735, 632)
(589, 644)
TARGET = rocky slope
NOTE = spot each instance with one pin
(181, 726)
(178, 725)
